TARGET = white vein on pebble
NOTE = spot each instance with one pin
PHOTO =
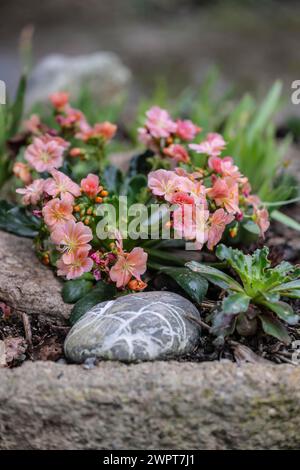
(99, 321)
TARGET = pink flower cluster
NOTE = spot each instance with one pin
(165, 136)
(61, 202)
(48, 148)
(73, 119)
(206, 200)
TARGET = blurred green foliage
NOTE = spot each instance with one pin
(10, 120)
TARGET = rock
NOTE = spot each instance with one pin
(154, 405)
(101, 73)
(28, 286)
(135, 327)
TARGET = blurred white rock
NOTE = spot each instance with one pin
(102, 73)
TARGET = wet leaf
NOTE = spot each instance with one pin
(236, 303)
(193, 284)
(100, 293)
(74, 290)
(272, 326)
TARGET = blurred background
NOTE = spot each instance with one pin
(251, 42)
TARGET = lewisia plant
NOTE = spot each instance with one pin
(187, 172)
(204, 185)
(67, 209)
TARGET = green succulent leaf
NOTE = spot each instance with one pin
(251, 227)
(260, 262)
(215, 276)
(272, 326)
(292, 285)
(18, 220)
(74, 290)
(235, 303)
(292, 294)
(100, 293)
(193, 284)
(241, 263)
(283, 310)
(223, 324)
(271, 296)
(133, 187)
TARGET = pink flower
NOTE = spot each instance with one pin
(90, 185)
(177, 152)
(159, 123)
(73, 118)
(59, 100)
(163, 183)
(198, 192)
(261, 217)
(225, 167)
(72, 236)
(190, 222)
(146, 139)
(33, 192)
(46, 153)
(218, 222)
(254, 201)
(33, 124)
(187, 130)
(129, 265)
(61, 184)
(105, 130)
(57, 211)
(213, 145)
(22, 171)
(181, 198)
(225, 192)
(76, 264)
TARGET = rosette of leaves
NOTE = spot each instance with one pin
(256, 296)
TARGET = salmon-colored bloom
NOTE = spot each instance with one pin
(177, 152)
(57, 211)
(159, 123)
(71, 236)
(226, 167)
(72, 119)
(129, 265)
(190, 223)
(254, 201)
(225, 192)
(182, 198)
(61, 184)
(261, 218)
(187, 130)
(213, 145)
(218, 222)
(33, 192)
(146, 139)
(22, 171)
(33, 124)
(163, 183)
(105, 130)
(90, 185)
(59, 100)
(76, 152)
(46, 153)
(198, 192)
(75, 265)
